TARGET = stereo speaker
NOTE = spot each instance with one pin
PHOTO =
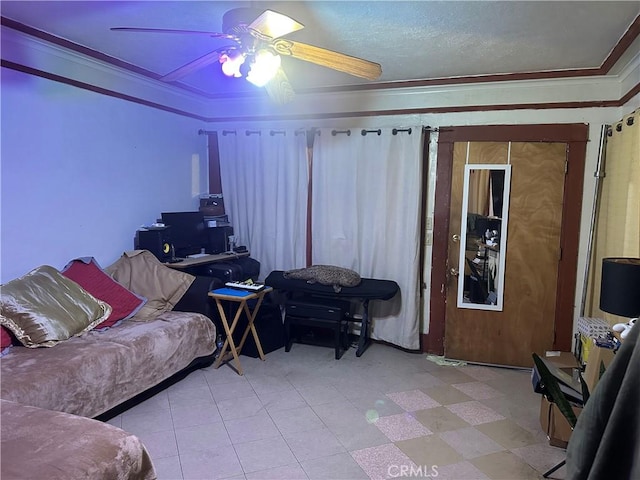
(157, 241)
(218, 239)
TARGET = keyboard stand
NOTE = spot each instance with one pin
(369, 289)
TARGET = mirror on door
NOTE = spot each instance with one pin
(483, 237)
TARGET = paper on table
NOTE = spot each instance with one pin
(233, 292)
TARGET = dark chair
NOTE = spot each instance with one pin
(552, 390)
(477, 288)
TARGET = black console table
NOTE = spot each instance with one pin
(227, 267)
(368, 289)
(198, 261)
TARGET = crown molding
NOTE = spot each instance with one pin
(38, 57)
(60, 62)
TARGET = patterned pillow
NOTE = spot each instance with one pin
(87, 273)
(44, 307)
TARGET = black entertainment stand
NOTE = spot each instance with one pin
(227, 267)
(190, 263)
(368, 289)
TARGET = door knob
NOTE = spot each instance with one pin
(454, 272)
(455, 238)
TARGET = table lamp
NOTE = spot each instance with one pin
(620, 289)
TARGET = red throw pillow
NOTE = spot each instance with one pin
(5, 338)
(87, 273)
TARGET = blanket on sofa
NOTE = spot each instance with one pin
(91, 374)
(67, 446)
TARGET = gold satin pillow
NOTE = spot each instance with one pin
(142, 273)
(44, 307)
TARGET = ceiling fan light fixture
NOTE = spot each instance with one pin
(256, 48)
(264, 67)
(272, 24)
(231, 63)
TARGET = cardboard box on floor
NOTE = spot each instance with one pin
(566, 361)
(552, 421)
(564, 364)
(554, 424)
(599, 358)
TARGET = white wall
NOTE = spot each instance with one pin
(80, 172)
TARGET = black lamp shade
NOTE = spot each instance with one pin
(620, 287)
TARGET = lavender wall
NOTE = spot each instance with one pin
(80, 172)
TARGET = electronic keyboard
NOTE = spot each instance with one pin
(246, 285)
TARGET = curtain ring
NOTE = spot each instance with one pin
(336, 132)
(364, 132)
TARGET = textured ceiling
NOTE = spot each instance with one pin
(411, 40)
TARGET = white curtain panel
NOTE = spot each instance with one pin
(366, 217)
(264, 179)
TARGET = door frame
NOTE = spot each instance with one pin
(575, 135)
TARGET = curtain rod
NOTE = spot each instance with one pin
(250, 132)
(599, 174)
(300, 131)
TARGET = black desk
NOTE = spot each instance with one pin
(369, 289)
(206, 260)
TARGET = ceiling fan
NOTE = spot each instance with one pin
(256, 49)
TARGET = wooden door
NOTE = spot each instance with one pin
(526, 323)
(511, 339)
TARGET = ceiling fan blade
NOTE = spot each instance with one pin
(196, 64)
(328, 58)
(273, 24)
(164, 30)
(279, 88)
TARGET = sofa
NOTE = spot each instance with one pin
(88, 342)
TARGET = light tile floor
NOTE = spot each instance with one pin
(305, 415)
